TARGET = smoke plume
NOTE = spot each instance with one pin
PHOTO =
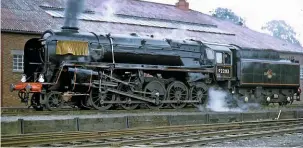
(72, 11)
(222, 101)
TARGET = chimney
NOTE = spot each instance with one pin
(72, 12)
(183, 5)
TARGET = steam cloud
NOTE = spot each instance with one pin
(221, 101)
(180, 34)
(73, 9)
(109, 9)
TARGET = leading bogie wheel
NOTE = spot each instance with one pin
(54, 101)
(177, 91)
(155, 90)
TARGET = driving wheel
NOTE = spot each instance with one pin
(155, 90)
(177, 91)
(128, 101)
(100, 100)
(198, 93)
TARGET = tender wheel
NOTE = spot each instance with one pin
(129, 105)
(54, 101)
(264, 101)
(99, 99)
(283, 103)
(155, 90)
(198, 92)
(177, 91)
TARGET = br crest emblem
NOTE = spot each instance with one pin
(269, 74)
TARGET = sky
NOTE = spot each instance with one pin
(255, 12)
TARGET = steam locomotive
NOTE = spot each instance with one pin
(103, 71)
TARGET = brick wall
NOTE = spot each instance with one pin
(11, 41)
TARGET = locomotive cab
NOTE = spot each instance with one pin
(223, 60)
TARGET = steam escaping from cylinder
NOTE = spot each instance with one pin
(72, 11)
(222, 101)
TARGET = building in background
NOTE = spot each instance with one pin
(22, 20)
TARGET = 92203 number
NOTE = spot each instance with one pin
(220, 70)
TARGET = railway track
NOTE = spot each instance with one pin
(188, 135)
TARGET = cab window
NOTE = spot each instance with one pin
(219, 58)
(223, 58)
(227, 58)
(210, 54)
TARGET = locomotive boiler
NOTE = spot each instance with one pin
(101, 71)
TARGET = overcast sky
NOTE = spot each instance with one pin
(255, 12)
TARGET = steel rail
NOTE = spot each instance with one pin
(71, 137)
(150, 141)
(147, 128)
(45, 138)
(231, 137)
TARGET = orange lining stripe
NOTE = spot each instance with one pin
(270, 84)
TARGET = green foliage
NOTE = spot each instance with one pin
(227, 14)
(281, 30)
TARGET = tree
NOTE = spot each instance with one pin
(227, 14)
(281, 30)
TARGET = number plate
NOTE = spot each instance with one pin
(223, 70)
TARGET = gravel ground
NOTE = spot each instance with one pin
(285, 140)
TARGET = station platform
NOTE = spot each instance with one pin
(101, 121)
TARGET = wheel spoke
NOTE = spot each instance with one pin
(198, 93)
(53, 101)
(97, 97)
(177, 91)
(128, 105)
(98, 100)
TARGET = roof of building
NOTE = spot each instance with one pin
(36, 16)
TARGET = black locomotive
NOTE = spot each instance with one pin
(109, 70)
